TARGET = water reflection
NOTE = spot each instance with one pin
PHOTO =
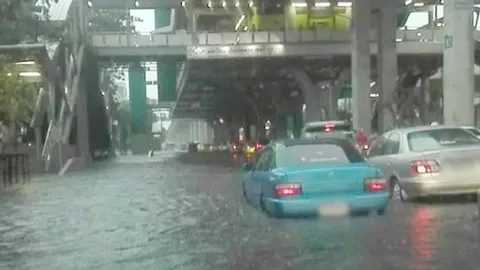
(321, 243)
(421, 232)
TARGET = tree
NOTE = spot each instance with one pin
(17, 102)
(17, 96)
(24, 21)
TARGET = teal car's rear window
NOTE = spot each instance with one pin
(318, 153)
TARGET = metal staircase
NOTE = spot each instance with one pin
(182, 77)
(60, 122)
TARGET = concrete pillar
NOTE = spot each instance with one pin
(205, 132)
(192, 23)
(140, 137)
(83, 18)
(361, 109)
(192, 131)
(220, 134)
(297, 123)
(281, 128)
(210, 133)
(166, 69)
(197, 130)
(387, 60)
(83, 134)
(458, 62)
(424, 99)
(333, 92)
(167, 80)
(313, 96)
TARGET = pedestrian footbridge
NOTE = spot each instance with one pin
(296, 43)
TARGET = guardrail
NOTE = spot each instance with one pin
(182, 39)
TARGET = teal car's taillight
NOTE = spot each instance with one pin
(375, 184)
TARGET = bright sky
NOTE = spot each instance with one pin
(148, 17)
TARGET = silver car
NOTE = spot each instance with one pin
(428, 160)
(474, 130)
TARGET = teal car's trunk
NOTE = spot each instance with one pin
(331, 180)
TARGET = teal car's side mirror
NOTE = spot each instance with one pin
(248, 167)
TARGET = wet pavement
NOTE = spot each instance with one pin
(160, 213)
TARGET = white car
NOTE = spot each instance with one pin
(473, 130)
(328, 129)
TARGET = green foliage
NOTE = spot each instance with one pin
(17, 97)
(21, 21)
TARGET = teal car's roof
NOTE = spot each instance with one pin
(307, 141)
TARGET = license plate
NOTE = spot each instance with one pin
(334, 209)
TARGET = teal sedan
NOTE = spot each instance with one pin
(307, 177)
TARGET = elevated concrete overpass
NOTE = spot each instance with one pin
(300, 43)
(197, 99)
(198, 95)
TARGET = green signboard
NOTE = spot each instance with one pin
(162, 17)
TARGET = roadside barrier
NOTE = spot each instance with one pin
(13, 167)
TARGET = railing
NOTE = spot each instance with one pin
(183, 76)
(14, 166)
(180, 73)
(48, 145)
(116, 39)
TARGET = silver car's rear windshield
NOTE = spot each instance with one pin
(305, 154)
(475, 131)
(435, 139)
(328, 128)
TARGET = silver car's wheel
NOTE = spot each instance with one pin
(404, 195)
(396, 191)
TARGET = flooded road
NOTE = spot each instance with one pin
(158, 213)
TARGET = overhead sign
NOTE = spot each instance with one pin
(235, 51)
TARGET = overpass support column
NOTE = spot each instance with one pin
(314, 100)
(166, 80)
(332, 104)
(219, 135)
(361, 108)
(424, 99)
(282, 128)
(387, 60)
(140, 135)
(166, 69)
(458, 55)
